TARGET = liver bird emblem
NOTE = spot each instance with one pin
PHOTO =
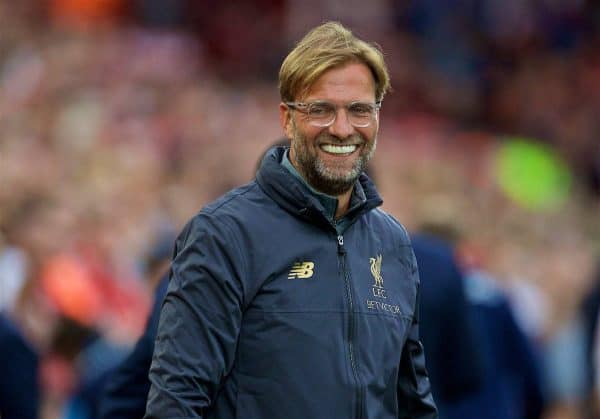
(376, 271)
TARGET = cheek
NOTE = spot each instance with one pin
(307, 134)
(368, 133)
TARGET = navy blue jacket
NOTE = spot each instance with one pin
(512, 387)
(448, 330)
(19, 365)
(270, 313)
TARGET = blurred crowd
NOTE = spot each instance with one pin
(119, 119)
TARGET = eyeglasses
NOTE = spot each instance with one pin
(323, 114)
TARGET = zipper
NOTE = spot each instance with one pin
(351, 324)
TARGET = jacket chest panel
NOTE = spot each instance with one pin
(381, 273)
(302, 281)
(383, 285)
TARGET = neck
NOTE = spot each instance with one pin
(343, 200)
(343, 204)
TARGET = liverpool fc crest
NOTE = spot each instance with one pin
(376, 271)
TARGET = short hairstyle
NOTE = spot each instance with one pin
(324, 47)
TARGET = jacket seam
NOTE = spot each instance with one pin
(240, 193)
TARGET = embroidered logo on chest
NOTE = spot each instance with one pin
(378, 290)
(302, 270)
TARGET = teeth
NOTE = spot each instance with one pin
(338, 149)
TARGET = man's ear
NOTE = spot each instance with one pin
(285, 119)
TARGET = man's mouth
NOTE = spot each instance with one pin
(339, 148)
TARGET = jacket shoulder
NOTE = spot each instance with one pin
(396, 235)
(227, 217)
(234, 198)
(227, 210)
(391, 224)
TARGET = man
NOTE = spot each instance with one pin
(295, 296)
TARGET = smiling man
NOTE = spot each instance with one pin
(330, 152)
(295, 296)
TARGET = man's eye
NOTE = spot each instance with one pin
(361, 109)
(320, 110)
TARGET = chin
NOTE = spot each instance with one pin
(339, 175)
(338, 183)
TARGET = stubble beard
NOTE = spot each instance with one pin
(331, 181)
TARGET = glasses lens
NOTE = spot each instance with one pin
(361, 114)
(321, 114)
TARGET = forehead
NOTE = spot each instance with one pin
(347, 83)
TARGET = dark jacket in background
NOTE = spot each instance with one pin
(480, 362)
(448, 330)
(19, 365)
(512, 387)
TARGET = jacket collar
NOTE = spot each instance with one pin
(295, 197)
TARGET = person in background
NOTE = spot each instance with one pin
(126, 390)
(26, 323)
(512, 387)
(295, 293)
(449, 332)
(481, 363)
(126, 387)
(590, 314)
(19, 367)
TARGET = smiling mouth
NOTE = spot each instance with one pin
(339, 149)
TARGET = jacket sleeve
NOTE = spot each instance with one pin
(415, 400)
(199, 322)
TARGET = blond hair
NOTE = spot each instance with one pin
(324, 47)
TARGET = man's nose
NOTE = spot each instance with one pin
(341, 126)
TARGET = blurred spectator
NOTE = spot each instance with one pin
(114, 379)
(590, 314)
(125, 388)
(124, 395)
(564, 369)
(449, 336)
(19, 366)
(493, 369)
(513, 386)
(157, 13)
(13, 271)
(81, 13)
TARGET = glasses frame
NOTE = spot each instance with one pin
(303, 107)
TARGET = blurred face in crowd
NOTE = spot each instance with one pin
(332, 157)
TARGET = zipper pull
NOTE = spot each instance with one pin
(341, 249)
